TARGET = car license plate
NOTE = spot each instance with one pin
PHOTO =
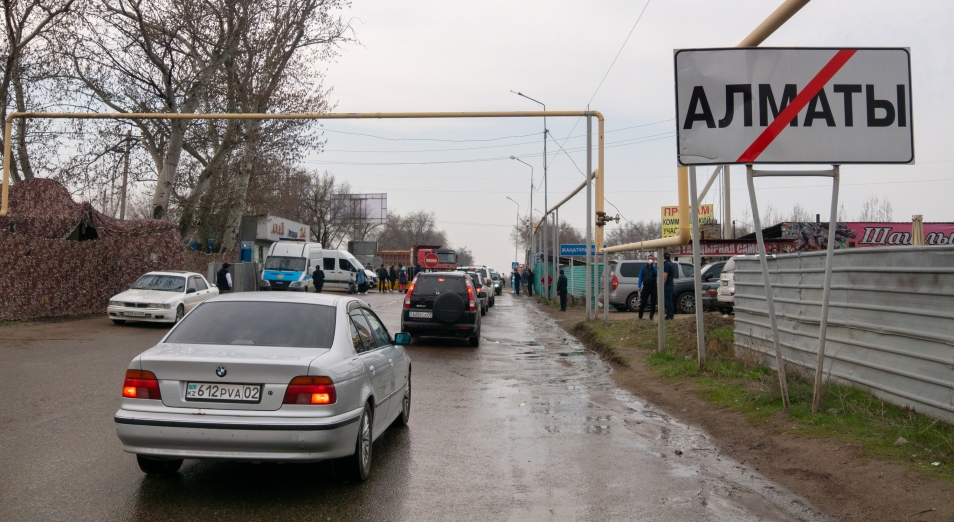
(208, 391)
(421, 315)
(135, 314)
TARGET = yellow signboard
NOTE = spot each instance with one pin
(670, 218)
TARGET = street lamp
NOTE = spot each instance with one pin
(544, 174)
(515, 239)
(530, 233)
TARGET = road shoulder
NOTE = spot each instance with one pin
(836, 477)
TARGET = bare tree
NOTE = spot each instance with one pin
(416, 228)
(27, 22)
(800, 214)
(631, 232)
(876, 209)
(464, 256)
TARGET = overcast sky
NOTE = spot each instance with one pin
(431, 55)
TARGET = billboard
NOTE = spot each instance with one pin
(670, 218)
(274, 228)
(787, 105)
(366, 209)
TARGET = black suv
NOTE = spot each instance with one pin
(442, 304)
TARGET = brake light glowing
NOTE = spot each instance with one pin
(407, 296)
(310, 390)
(470, 296)
(615, 282)
(140, 384)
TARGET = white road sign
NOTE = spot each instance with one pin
(770, 105)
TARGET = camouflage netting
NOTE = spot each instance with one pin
(45, 274)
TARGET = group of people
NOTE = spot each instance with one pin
(648, 277)
(392, 279)
(525, 279)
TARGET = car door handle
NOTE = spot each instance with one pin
(371, 369)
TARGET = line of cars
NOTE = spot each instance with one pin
(624, 288)
(450, 304)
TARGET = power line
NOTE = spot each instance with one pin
(640, 17)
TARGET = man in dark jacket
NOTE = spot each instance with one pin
(318, 278)
(528, 273)
(393, 276)
(561, 290)
(647, 287)
(669, 282)
(223, 280)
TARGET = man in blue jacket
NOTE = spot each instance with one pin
(647, 286)
(669, 282)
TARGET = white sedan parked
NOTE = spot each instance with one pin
(161, 297)
(267, 376)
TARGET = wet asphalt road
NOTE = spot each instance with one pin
(528, 426)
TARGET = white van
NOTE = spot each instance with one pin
(289, 266)
(338, 265)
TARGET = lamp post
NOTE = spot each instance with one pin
(530, 234)
(545, 268)
(516, 237)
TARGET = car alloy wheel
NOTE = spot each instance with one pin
(357, 467)
(687, 303)
(405, 415)
(632, 302)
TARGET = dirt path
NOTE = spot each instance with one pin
(836, 477)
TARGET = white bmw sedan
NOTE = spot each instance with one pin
(163, 297)
(270, 376)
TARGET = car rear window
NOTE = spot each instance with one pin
(434, 284)
(258, 323)
(630, 269)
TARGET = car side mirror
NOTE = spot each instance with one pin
(190, 291)
(402, 338)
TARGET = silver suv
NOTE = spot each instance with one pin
(624, 279)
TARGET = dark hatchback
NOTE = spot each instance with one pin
(442, 304)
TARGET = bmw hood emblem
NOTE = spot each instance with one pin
(220, 371)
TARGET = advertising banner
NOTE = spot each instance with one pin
(737, 248)
(670, 218)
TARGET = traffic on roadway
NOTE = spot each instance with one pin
(218, 414)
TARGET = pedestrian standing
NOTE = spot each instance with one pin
(669, 282)
(561, 290)
(393, 277)
(382, 279)
(362, 280)
(546, 281)
(352, 285)
(647, 287)
(515, 282)
(318, 278)
(223, 279)
(528, 280)
(402, 279)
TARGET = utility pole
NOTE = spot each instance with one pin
(122, 202)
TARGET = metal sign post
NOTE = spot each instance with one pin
(696, 269)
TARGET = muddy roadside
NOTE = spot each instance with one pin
(839, 478)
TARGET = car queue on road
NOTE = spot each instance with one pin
(279, 376)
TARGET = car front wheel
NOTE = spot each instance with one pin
(180, 313)
(686, 303)
(405, 415)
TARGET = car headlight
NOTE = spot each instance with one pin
(295, 284)
(265, 283)
(115, 303)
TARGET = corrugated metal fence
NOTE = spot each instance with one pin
(890, 325)
(245, 276)
(576, 278)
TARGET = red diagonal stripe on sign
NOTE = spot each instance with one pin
(791, 111)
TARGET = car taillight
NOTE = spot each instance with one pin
(470, 296)
(140, 384)
(310, 390)
(615, 282)
(407, 296)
